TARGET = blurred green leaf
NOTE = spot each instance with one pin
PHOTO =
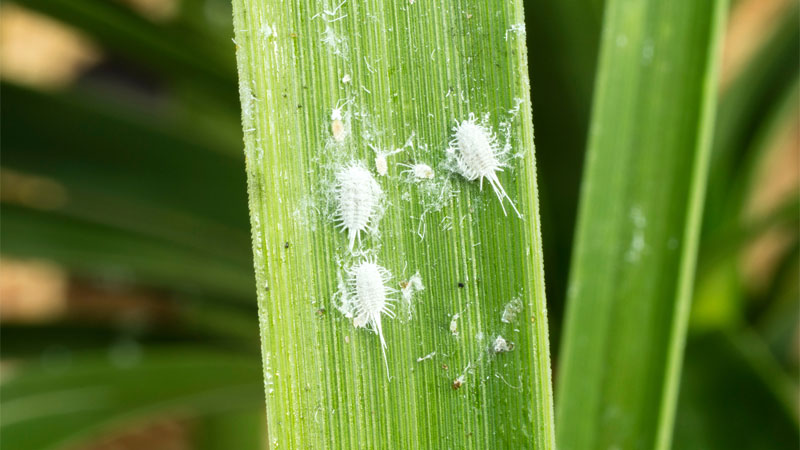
(112, 149)
(733, 396)
(638, 225)
(759, 89)
(89, 248)
(778, 322)
(208, 322)
(246, 430)
(49, 406)
(139, 196)
(721, 300)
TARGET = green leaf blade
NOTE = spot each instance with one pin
(638, 224)
(414, 69)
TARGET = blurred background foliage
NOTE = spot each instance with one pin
(127, 299)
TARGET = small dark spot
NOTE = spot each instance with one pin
(460, 284)
(267, 288)
(321, 312)
(457, 383)
(284, 95)
(445, 367)
(286, 244)
(469, 435)
(478, 280)
(299, 106)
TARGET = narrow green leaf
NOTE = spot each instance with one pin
(734, 396)
(402, 73)
(127, 152)
(122, 195)
(638, 225)
(65, 398)
(721, 300)
(778, 325)
(745, 107)
(199, 323)
(103, 251)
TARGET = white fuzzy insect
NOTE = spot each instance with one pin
(381, 165)
(338, 128)
(420, 170)
(358, 196)
(478, 156)
(368, 283)
(500, 345)
(414, 284)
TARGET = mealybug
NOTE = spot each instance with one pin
(414, 284)
(478, 156)
(358, 196)
(370, 298)
(511, 310)
(500, 345)
(419, 170)
(454, 324)
(381, 165)
(338, 128)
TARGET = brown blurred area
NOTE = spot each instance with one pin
(40, 52)
(163, 434)
(750, 24)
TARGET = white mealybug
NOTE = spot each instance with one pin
(420, 171)
(338, 128)
(358, 196)
(368, 283)
(454, 324)
(500, 345)
(478, 156)
(381, 165)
